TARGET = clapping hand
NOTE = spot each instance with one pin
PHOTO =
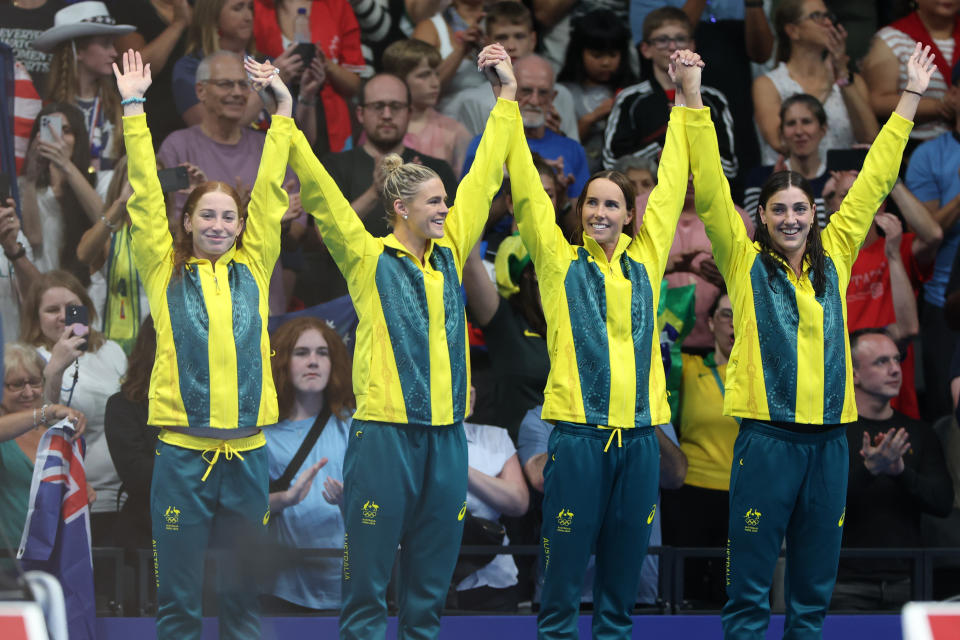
(301, 486)
(886, 456)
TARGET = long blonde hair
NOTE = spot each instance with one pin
(63, 85)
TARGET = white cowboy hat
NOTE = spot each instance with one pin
(77, 21)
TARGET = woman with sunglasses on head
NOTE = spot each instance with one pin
(789, 377)
(405, 469)
(606, 390)
(211, 390)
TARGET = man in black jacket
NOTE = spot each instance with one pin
(897, 473)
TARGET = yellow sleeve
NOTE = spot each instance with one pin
(149, 230)
(849, 226)
(712, 191)
(268, 201)
(666, 200)
(534, 213)
(340, 228)
(471, 206)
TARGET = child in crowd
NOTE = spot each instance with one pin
(597, 67)
(509, 24)
(428, 130)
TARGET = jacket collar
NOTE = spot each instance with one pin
(595, 250)
(392, 242)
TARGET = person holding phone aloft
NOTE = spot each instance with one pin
(212, 388)
(789, 378)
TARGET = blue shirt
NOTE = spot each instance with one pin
(551, 146)
(932, 175)
(314, 523)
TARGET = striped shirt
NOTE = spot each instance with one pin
(791, 359)
(902, 46)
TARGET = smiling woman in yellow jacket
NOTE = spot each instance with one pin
(606, 389)
(405, 469)
(789, 376)
(212, 387)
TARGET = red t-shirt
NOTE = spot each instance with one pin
(870, 303)
(335, 31)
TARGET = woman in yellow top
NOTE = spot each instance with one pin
(706, 438)
(212, 388)
(405, 469)
(606, 388)
(789, 377)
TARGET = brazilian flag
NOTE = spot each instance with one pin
(675, 319)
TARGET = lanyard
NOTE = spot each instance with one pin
(712, 365)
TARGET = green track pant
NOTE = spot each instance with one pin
(404, 485)
(595, 500)
(784, 484)
(184, 510)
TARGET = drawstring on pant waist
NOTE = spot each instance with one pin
(614, 431)
(228, 453)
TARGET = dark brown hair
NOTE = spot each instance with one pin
(136, 383)
(814, 250)
(626, 187)
(75, 221)
(30, 331)
(788, 12)
(659, 17)
(339, 392)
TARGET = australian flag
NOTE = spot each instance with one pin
(56, 538)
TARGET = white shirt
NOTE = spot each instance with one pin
(98, 378)
(488, 449)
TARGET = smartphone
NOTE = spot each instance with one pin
(306, 51)
(173, 179)
(845, 159)
(4, 189)
(77, 314)
(51, 121)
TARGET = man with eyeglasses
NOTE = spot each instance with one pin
(536, 92)
(383, 113)
(221, 147)
(637, 124)
(897, 473)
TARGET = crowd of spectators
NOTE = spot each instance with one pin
(374, 77)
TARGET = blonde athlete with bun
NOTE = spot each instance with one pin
(405, 469)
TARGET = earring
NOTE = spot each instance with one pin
(404, 216)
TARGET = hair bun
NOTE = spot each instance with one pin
(391, 162)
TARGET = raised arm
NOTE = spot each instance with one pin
(340, 228)
(482, 296)
(151, 237)
(665, 202)
(848, 226)
(471, 206)
(268, 200)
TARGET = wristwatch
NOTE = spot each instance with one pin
(16, 255)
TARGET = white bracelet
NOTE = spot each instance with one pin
(108, 224)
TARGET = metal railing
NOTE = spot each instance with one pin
(138, 579)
